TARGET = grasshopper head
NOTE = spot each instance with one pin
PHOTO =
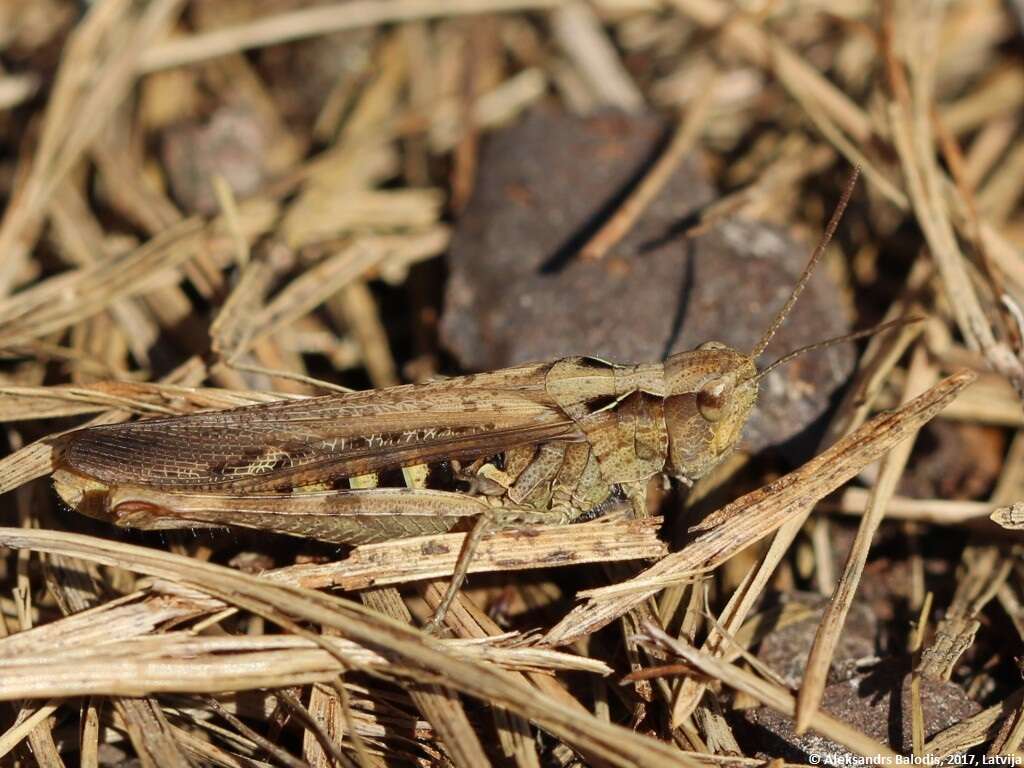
(710, 393)
(711, 390)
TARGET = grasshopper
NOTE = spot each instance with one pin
(544, 443)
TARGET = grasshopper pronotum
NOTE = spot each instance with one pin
(541, 443)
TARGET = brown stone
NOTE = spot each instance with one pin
(866, 703)
(518, 293)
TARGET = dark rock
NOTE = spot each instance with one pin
(866, 703)
(517, 293)
(231, 144)
(786, 649)
(959, 461)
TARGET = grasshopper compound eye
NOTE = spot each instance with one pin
(711, 399)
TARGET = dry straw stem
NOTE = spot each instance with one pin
(109, 43)
(439, 704)
(147, 398)
(491, 109)
(355, 306)
(283, 757)
(746, 36)
(231, 330)
(65, 299)
(919, 378)
(1012, 740)
(184, 663)
(990, 400)
(20, 730)
(910, 118)
(152, 736)
(852, 501)
(984, 569)
(14, 89)
(798, 160)
(754, 516)
(579, 32)
(349, 263)
(742, 601)
(414, 656)
(466, 620)
(80, 239)
(431, 557)
(313, 22)
(881, 356)
(71, 582)
(683, 141)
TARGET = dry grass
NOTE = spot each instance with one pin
(133, 284)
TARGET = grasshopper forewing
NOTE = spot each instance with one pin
(549, 442)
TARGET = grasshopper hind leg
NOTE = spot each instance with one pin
(554, 484)
(495, 518)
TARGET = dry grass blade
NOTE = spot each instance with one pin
(230, 332)
(59, 302)
(342, 268)
(578, 30)
(683, 140)
(210, 205)
(797, 75)
(920, 377)
(929, 193)
(852, 501)
(18, 732)
(66, 134)
(179, 663)
(431, 557)
(151, 734)
(414, 656)
(135, 397)
(985, 568)
(118, 642)
(439, 704)
(878, 360)
(311, 22)
(754, 516)
(26, 464)
(910, 116)
(15, 89)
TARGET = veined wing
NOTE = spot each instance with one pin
(288, 444)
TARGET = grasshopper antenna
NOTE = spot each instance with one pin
(830, 230)
(837, 340)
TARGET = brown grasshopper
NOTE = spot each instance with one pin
(545, 443)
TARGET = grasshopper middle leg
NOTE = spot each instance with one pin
(556, 485)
